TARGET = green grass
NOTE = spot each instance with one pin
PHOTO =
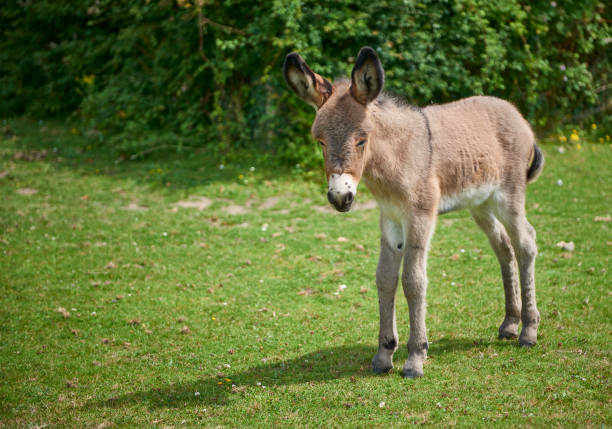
(166, 301)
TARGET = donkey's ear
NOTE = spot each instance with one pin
(309, 86)
(367, 78)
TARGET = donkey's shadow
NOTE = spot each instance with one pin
(325, 364)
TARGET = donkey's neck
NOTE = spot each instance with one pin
(398, 150)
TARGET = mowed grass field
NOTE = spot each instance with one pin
(167, 291)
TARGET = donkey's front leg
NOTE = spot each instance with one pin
(387, 275)
(414, 281)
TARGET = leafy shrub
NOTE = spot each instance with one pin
(208, 73)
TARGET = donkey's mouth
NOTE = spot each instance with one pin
(342, 203)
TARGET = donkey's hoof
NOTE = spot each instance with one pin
(509, 328)
(412, 372)
(507, 335)
(527, 343)
(381, 369)
(382, 363)
(529, 336)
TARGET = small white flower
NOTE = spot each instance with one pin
(381, 405)
(561, 149)
(258, 383)
(562, 67)
(559, 182)
(93, 313)
(462, 250)
(342, 287)
(553, 4)
(564, 78)
(252, 169)
(264, 227)
(221, 166)
(226, 365)
(225, 303)
(197, 394)
(165, 234)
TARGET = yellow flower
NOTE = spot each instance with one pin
(578, 146)
(74, 131)
(608, 138)
(220, 382)
(594, 126)
(574, 137)
(562, 138)
(601, 140)
(241, 177)
(88, 79)
(214, 318)
(228, 380)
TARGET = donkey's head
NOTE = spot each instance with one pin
(342, 125)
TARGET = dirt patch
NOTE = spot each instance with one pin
(26, 191)
(30, 155)
(269, 203)
(368, 205)
(135, 207)
(194, 202)
(234, 209)
(323, 209)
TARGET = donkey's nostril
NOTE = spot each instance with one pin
(348, 198)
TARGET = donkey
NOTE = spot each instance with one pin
(478, 153)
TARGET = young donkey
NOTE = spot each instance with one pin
(477, 153)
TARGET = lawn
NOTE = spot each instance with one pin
(171, 291)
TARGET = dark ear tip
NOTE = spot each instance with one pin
(366, 52)
(293, 58)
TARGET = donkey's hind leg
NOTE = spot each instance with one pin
(500, 242)
(523, 238)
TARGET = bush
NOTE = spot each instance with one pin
(208, 73)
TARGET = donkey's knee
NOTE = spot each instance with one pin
(414, 285)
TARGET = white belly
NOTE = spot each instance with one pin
(466, 199)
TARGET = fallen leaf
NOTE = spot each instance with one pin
(455, 256)
(606, 218)
(134, 322)
(306, 292)
(63, 312)
(185, 330)
(71, 383)
(110, 266)
(566, 246)
(342, 239)
(321, 236)
(238, 389)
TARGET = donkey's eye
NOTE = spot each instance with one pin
(361, 143)
(320, 143)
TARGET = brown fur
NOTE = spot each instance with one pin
(477, 153)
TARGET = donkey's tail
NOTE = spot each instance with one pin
(537, 163)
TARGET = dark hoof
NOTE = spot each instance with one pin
(507, 336)
(411, 373)
(527, 343)
(381, 369)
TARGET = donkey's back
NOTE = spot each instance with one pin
(481, 141)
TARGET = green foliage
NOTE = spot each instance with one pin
(208, 73)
